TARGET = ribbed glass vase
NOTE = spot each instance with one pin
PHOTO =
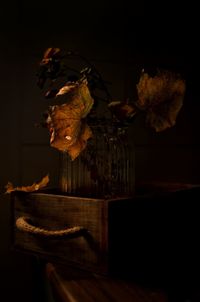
(105, 169)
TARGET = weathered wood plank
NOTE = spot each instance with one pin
(53, 212)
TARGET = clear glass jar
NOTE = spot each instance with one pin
(105, 169)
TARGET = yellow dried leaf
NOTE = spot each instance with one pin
(34, 187)
(80, 144)
(66, 89)
(66, 124)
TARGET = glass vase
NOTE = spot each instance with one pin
(105, 169)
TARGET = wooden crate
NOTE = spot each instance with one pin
(87, 248)
(152, 234)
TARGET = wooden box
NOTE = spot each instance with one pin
(152, 233)
(41, 222)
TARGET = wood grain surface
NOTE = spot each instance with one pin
(71, 285)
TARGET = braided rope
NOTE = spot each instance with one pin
(24, 226)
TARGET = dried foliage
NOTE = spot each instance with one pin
(50, 66)
(161, 97)
(34, 187)
(70, 122)
(68, 129)
(123, 110)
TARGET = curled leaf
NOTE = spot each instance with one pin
(67, 88)
(34, 187)
(162, 98)
(68, 130)
(122, 110)
(49, 67)
(80, 144)
(49, 54)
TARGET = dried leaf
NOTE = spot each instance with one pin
(164, 116)
(86, 99)
(51, 93)
(75, 149)
(67, 88)
(68, 130)
(49, 67)
(34, 187)
(162, 97)
(49, 54)
(122, 110)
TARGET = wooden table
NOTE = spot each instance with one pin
(72, 285)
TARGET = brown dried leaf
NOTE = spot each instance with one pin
(122, 110)
(34, 187)
(68, 130)
(48, 54)
(162, 97)
(164, 115)
(85, 97)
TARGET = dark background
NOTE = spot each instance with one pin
(121, 39)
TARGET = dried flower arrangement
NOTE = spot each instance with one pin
(75, 113)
